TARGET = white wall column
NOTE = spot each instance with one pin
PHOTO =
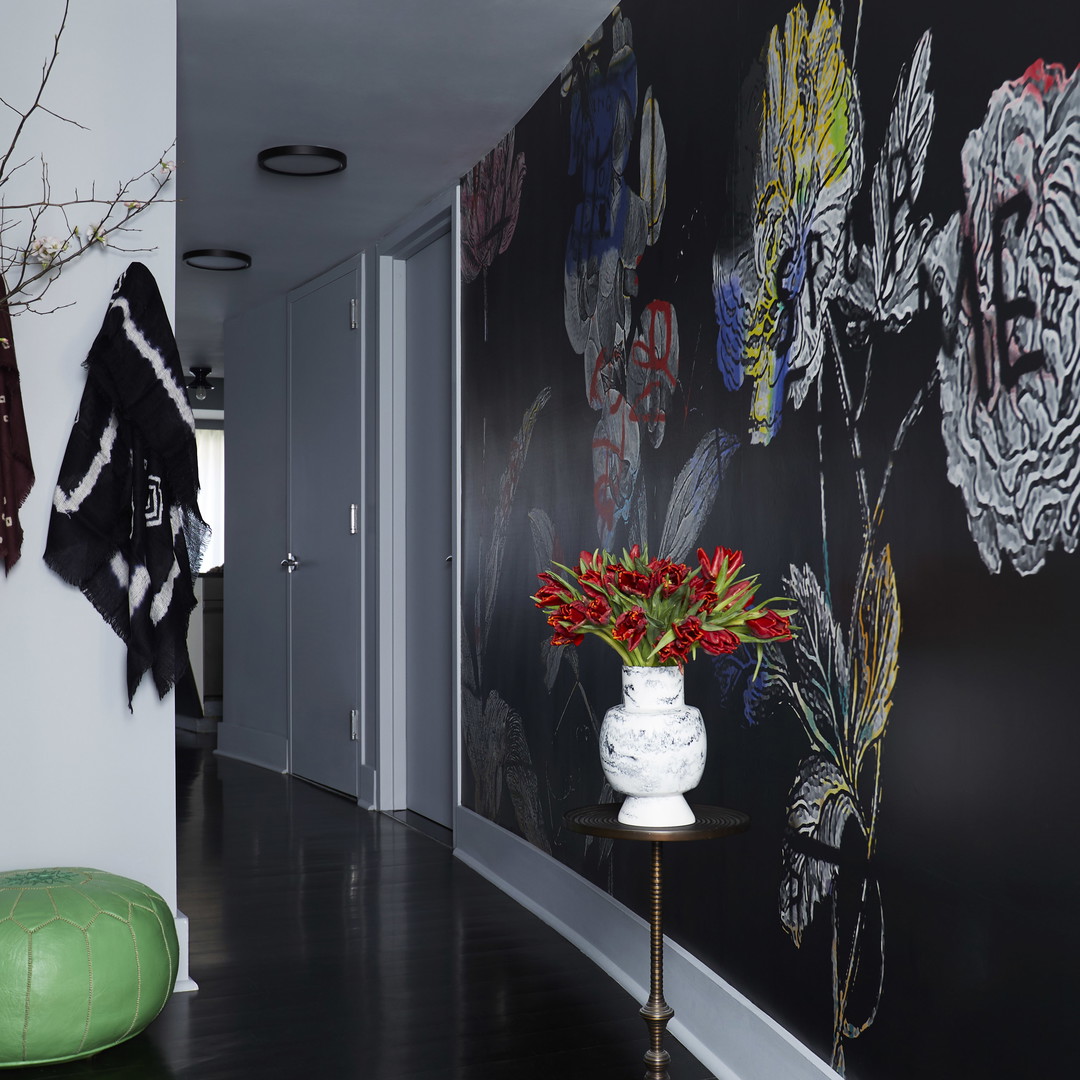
(85, 782)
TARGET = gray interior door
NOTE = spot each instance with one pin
(324, 480)
(429, 770)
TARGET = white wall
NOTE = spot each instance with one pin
(83, 781)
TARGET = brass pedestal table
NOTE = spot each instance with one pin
(711, 823)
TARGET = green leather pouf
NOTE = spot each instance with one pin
(87, 960)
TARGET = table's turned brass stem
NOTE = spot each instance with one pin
(710, 823)
(656, 1011)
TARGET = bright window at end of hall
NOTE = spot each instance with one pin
(210, 446)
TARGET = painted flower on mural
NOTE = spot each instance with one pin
(694, 492)
(894, 264)
(608, 232)
(842, 691)
(732, 276)
(616, 457)
(1011, 416)
(630, 373)
(809, 166)
(494, 549)
(655, 612)
(612, 225)
(492, 730)
(653, 369)
(652, 166)
(490, 203)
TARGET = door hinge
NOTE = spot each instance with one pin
(354, 724)
(353, 314)
(354, 518)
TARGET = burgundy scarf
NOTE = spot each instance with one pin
(16, 469)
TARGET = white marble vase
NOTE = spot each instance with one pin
(652, 748)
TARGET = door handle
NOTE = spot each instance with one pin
(290, 562)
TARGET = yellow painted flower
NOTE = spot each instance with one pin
(809, 167)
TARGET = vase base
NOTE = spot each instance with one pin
(656, 811)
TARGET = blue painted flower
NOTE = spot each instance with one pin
(729, 298)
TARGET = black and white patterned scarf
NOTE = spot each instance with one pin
(125, 525)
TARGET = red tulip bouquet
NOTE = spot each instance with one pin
(655, 612)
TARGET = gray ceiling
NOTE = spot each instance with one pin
(414, 91)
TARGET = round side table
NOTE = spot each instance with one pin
(711, 823)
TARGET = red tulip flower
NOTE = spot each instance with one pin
(635, 583)
(688, 632)
(713, 566)
(599, 610)
(630, 627)
(667, 576)
(655, 611)
(771, 625)
(573, 615)
(719, 642)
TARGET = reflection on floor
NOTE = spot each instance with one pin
(331, 942)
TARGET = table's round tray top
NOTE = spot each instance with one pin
(712, 822)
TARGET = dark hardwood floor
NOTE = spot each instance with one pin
(332, 942)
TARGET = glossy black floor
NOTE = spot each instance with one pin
(331, 942)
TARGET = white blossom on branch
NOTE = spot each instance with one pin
(38, 238)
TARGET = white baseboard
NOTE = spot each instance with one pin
(184, 981)
(722, 1028)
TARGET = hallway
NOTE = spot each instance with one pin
(332, 942)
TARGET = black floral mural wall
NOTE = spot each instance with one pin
(803, 281)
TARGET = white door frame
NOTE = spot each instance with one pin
(438, 217)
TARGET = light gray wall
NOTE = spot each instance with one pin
(85, 781)
(254, 705)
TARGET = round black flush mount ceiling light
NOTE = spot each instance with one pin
(217, 259)
(301, 160)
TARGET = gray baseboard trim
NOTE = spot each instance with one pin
(184, 981)
(722, 1028)
(197, 725)
(255, 747)
(366, 778)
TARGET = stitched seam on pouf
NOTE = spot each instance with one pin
(138, 977)
(90, 994)
(89, 899)
(29, 978)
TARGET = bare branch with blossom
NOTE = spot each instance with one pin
(31, 258)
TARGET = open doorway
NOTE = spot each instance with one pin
(199, 695)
